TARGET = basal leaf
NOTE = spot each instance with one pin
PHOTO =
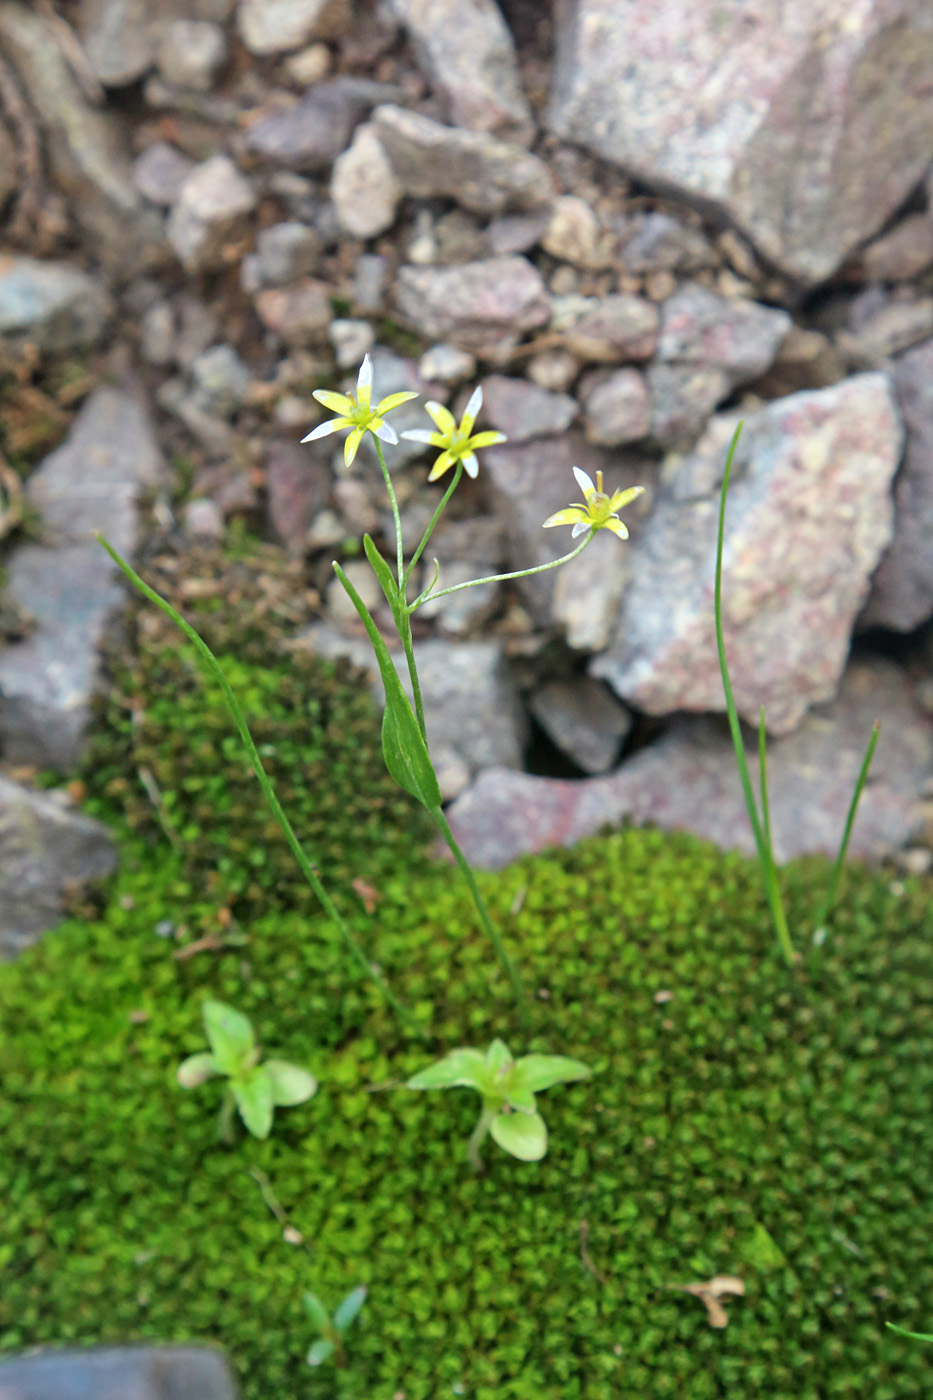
(229, 1035)
(522, 1134)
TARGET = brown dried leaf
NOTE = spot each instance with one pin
(709, 1292)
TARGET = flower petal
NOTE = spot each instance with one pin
(487, 439)
(385, 431)
(444, 462)
(471, 410)
(351, 446)
(442, 416)
(422, 435)
(394, 401)
(572, 515)
(337, 403)
(580, 528)
(584, 482)
(618, 499)
(333, 425)
(617, 527)
(470, 464)
(364, 380)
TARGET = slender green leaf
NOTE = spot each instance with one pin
(197, 1069)
(847, 830)
(348, 1308)
(522, 1134)
(290, 1084)
(229, 1035)
(318, 1314)
(383, 573)
(917, 1336)
(253, 1094)
(498, 1057)
(537, 1072)
(321, 1351)
(460, 1067)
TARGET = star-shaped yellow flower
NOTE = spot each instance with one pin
(455, 442)
(357, 413)
(599, 513)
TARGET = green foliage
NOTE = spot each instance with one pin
(507, 1088)
(739, 1099)
(256, 1089)
(331, 1330)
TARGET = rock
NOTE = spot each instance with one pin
(68, 587)
(656, 242)
(447, 364)
(396, 374)
(350, 340)
(738, 337)
(370, 279)
(55, 305)
(121, 36)
(681, 399)
(903, 253)
(279, 26)
(466, 49)
(83, 146)
(160, 172)
(483, 174)
(808, 518)
(529, 482)
(689, 781)
(45, 850)
(309, 134)
(340, 607)
(515, 233)
(177, 331)
(553, 369)
(299, 314)
(522, 410)
(893, 326)
(618, 327)
(363, 187)
(298, 485)
(9, 174)
(212, 205)
(309, 65)
(617, 409)
(203, 519)
(223, 380)
(476, 305)
(783, 112)
(584, 719)
(191, 54)
(573, 234)
(902, 588)
(287, 251)
(466, 549)
(135, 1372)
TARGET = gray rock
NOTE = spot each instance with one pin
(286, 252)
(483, 174)
(128, 1372)
(203, 519)
(466, 49)
(121, 36)
(211, 209)
(83, 146)
(309, 134)
(191, 53)
(553, 369)
(363, 187)
(68, 587)
(222, 379)
(904, 252)
(739, 337)
(351, 340)
(396, 374)
(299, 314)
(795, 575)
(45, 850)
(523, 410)
(55, 305)
(616, 328)
(515, 233)
(298, 485)
(476, 305)
(902, 588)
(466, 549)
(681, 399)
(573, 234)
(160, 172)
(688, 781)
(617, 409)
(782, 113)
(656, 242)
(447, 364)
(889, 328)
(584, 719)
(279, 26)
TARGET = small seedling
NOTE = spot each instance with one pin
(331, 1329)
(255, 1089)
(507, 1088)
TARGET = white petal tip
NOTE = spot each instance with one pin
(476, 402)
(365, 377)
(584, 482)
(322, 430)
(471, 464)
(579, 529)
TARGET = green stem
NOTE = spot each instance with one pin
(430, 530)
(503, 578)
(395, 512)
(487, 923)
(225, 1117)
(403, 624)
(847, 831)
(765, 854)
(307, 867)
(478, 1136)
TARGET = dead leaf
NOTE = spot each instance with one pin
(720, 1286)
(369, 896)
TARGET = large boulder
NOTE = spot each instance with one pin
(807, 122)
(809, 516)
(119, 1373)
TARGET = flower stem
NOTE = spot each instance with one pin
(481, 909)
(477, 1137)
(395, 512)
(430, 530)
(503, 578)
(305, 864)
(403, 626)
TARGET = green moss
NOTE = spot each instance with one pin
(747, 1102)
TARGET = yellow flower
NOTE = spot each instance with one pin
(456, 443)
(599, 513)
(357, 413)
